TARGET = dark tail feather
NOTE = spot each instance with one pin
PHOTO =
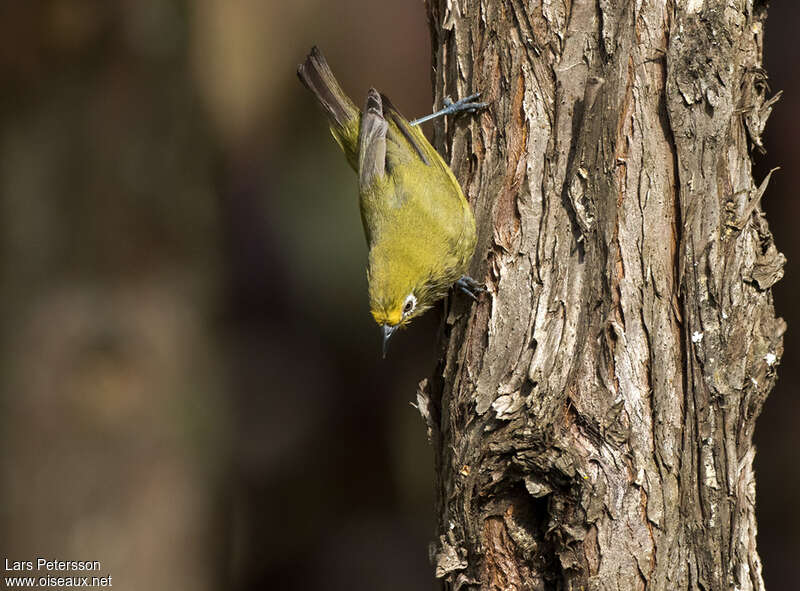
(315, 74)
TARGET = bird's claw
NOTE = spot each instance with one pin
(470, 287)
(467, 104)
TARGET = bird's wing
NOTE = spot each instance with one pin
(372, 141)
(412, 135)
(409, 149)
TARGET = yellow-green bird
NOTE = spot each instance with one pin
(419, 227)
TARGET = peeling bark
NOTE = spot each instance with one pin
(592, 416)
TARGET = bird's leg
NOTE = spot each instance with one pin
(468, 105)
(470, 287)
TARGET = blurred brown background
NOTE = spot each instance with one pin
(191, 390)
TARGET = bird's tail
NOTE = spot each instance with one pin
(342, 113)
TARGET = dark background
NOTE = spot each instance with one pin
(192, 391)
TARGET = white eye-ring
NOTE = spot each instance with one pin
(409, 304)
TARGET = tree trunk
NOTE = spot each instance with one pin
(592, 417)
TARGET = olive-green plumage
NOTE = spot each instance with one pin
(419, 227)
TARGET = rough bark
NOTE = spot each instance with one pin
(592, 417)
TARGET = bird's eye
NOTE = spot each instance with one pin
(409, 304)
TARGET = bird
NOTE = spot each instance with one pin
(419, 227)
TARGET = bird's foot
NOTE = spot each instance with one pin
(470, 287)
(465, 105)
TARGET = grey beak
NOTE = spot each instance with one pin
(387, 332)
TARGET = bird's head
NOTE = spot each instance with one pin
(393, 313)
(397, 294)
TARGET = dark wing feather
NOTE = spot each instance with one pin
(372, 141)
(402, 124)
